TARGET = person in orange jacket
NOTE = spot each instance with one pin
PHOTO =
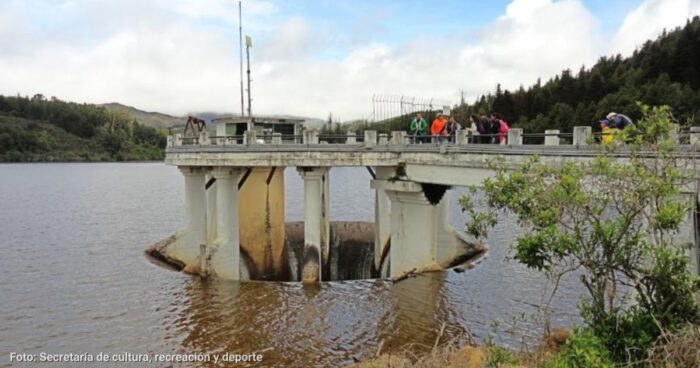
(437, 128)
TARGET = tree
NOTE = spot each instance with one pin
(612, 222)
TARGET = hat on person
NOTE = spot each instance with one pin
(604, 122)
(611, 115)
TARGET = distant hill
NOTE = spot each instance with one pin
(161, 120)
(39, 129)
(152, 119)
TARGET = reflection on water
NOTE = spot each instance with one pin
(75, 279)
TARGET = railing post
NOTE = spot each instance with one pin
(178, 139)
(398, 137)
(276, 138)
(515, 137)
(204, 138)
(694, 135)
(673, 133)
(551, 140)
(249, 137)
(310, 137)
(383, 139)
(462, 137)
(581, 135)
(370, 138)
(352, 138)
(171, 141)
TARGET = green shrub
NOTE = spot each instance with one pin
(499, 356)
(583, 349)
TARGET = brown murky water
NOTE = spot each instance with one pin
(74, 280)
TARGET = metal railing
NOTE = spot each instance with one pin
(581, 136)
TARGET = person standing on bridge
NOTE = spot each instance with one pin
(606, 133)
(619, 121)
(474, 131)
(437, 128)
(499, 128)
(452, 128)
(485, 130)
(418, 129)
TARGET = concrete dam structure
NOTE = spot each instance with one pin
(234, 199)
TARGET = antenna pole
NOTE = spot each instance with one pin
(248, 45)
(240, 52)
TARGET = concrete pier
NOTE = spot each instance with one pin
(194, 233)
(313, 217)
(382, 216)
(223, 256)
(414, 227)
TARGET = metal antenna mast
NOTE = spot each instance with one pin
(248, 45)
(240, 52)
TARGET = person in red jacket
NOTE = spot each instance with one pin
(502, 128)
(437, 128)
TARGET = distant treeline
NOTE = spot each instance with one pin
(665, 71)
(41, 129)
(662, 72)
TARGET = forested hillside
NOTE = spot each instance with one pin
(665, 71)
(40, 129)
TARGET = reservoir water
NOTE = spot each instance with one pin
(75, 279)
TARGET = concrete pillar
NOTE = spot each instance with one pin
(249, 137)
(261, 223)
(325, 217)
(581, 135)
(462, 137)
(383, 139)
(310, 137)
(382, 215)
(189, 238)
(686, 237)
(352, 138)
(276, 138)
(211, 208)
(224, 254)
(551, 140)
(398, 137)
(414, 225)
(694, 135)
(673, 133)
(370, 138)
(178, 139)
(171, 141)
(515, 137)
(313, 212)
(413, 232)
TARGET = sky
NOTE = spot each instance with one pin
(309, 57)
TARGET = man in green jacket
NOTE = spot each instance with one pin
(418, 129)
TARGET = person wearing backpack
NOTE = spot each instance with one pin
(619, 121)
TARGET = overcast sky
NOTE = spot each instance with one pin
(309, 57)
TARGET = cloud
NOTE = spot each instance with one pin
(517, 48)
(649, 19)
(182, 56)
